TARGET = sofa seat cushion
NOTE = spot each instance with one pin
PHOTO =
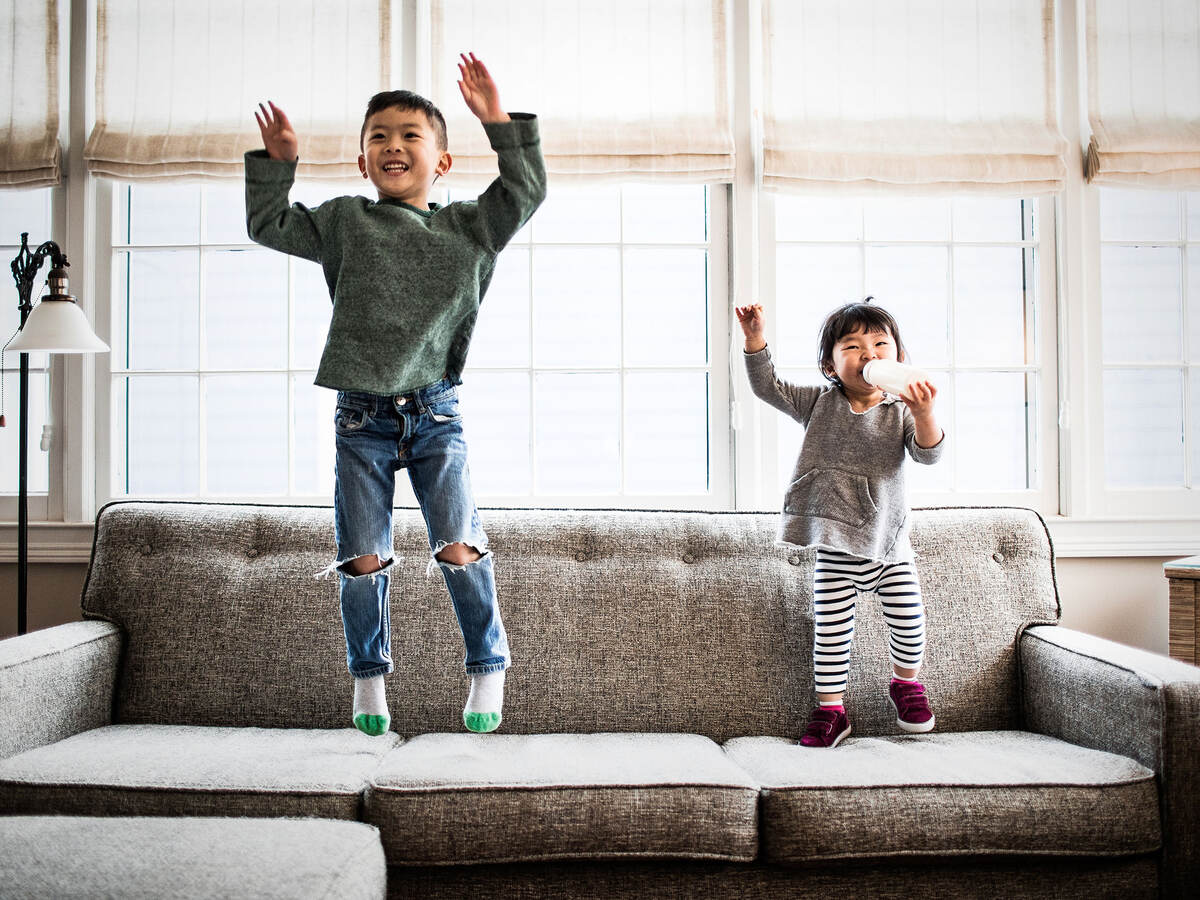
(462, 798)
(90, 856)
(969, 793)
(179, 770)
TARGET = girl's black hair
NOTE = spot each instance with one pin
(852, 317)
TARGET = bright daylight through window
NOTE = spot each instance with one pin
(593, 386)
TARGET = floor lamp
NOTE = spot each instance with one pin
(55, 325)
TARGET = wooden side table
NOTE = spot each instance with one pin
(1183, 638)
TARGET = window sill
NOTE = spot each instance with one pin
(1168, 536)
(53, 543)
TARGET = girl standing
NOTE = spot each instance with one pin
(847, 499)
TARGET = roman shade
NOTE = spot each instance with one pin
(629, 90)
(921, 97)
(29, 151)
(1143, 60)
(177, 83)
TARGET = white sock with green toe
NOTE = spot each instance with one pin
(370, 706)
(485, 703)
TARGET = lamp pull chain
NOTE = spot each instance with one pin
(3, 423)
(2, 370)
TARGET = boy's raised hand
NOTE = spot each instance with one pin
(751, 319)
(479, 90)
(277, 133)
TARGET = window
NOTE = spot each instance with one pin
(961, 277)
(215, 346)
(24, 211)
(1150, 342)
(590, 378)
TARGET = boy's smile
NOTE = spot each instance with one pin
(401, 156)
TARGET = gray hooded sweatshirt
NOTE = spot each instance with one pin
(847, 490)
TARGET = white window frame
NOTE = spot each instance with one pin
(1088, 522)
(1092, 519)
(1142, 502)
(60, 520)
(765, 430)
(719, 495)
(108, 248)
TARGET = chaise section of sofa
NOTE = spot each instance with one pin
(47, 857)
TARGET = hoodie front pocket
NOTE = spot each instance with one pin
(831, 494)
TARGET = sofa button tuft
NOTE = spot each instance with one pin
(145, 549)
(252, 553)
(998, 556)
(581, 556)
(794, 559)
(688, 558)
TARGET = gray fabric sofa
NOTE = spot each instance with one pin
(660, 679)
(52, 857)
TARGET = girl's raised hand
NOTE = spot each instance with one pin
(751, 319)
(277, 133)
(479, 90)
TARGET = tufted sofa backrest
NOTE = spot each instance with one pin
(618, 620)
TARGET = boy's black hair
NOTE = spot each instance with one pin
(852, 317)
(405, 100)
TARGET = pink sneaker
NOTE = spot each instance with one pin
(826, 728)
(912, 709)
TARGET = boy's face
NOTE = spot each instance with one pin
(401, 155)
(853, 351)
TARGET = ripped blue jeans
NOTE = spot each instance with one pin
(421, 431)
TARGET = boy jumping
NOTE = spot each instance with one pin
(406, 278)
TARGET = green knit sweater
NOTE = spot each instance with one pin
(406, 283)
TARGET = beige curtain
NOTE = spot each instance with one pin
(623, 89)
(916, 97)
(29, 153)
(1143, 60)
(178, 82)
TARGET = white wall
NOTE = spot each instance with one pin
(1122, 599)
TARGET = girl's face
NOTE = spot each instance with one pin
(853, 351)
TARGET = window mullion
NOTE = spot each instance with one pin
(532, 381)
(202, 365)
(289, 376)
(622, 375)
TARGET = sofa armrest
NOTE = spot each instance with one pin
(1104, 695)
(56, 682)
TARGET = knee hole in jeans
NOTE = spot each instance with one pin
(364, 565)
(458, 554)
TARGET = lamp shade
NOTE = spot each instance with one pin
(57, 326)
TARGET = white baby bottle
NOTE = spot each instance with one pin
(891, 376)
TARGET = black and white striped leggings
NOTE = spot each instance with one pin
(838, 578)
